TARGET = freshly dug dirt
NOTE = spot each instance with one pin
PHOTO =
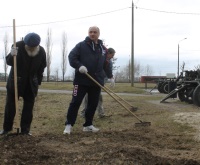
(122, 144)
(131, 146)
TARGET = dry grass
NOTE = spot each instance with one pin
(50, 111)
(166, 138)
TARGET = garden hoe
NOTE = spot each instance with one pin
(141, 123)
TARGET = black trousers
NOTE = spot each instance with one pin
(27, 111)
(79, 92)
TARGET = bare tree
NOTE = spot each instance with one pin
(148, 70)
(137, 68)
(114, 67)
(56, 77)
(118, 76)
(72, 73)
(5, 40)
(124, 73)
(64, 55)
(49, 45)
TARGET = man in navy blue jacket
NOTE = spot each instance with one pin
(88, 56)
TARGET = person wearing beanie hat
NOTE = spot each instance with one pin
(32, 39)
(31, 62)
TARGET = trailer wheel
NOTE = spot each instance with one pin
(196, 96)
(160, 87)
(184, 95)
(165, 87)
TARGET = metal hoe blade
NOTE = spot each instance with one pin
(143, 124)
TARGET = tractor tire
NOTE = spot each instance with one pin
(164, 87)
(182, 96)
(160, 87)
(196, 96)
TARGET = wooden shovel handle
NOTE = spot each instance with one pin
(15, 79)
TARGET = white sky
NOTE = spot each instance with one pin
(156, 33)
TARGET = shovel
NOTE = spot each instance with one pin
(15, 80)
(141, 123)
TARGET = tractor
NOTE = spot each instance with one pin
(187, 87)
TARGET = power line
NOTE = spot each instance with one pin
(72, 19)
(168, 12)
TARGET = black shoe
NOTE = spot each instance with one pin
(4, 132)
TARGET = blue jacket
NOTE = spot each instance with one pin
(93, 58)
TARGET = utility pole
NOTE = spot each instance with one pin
(132, 47)
(178, 55)
(178, 61)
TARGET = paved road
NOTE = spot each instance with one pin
(154, 92)
(2, 88)
(45, 91)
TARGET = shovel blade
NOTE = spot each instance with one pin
(143, 124)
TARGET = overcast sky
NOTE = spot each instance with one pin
(159, 26)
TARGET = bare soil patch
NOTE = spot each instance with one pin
(170, 140)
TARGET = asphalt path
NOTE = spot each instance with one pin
(70, 92)
(2, 88)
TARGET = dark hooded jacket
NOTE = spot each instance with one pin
(94, 59)
(29, 69)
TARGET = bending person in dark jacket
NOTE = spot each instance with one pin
(31, 62)
(88, 56)
(100, 108)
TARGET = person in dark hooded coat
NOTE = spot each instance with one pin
(88, 56)
(31, 62)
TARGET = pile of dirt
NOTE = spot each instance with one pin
(142, 146)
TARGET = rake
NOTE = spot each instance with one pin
(131, 106)
(141, 123)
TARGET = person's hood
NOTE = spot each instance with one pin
(91, 43)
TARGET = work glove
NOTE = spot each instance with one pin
(112, 82)
(83, 69)
(14, 51)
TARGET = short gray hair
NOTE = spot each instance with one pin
(95, 28)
